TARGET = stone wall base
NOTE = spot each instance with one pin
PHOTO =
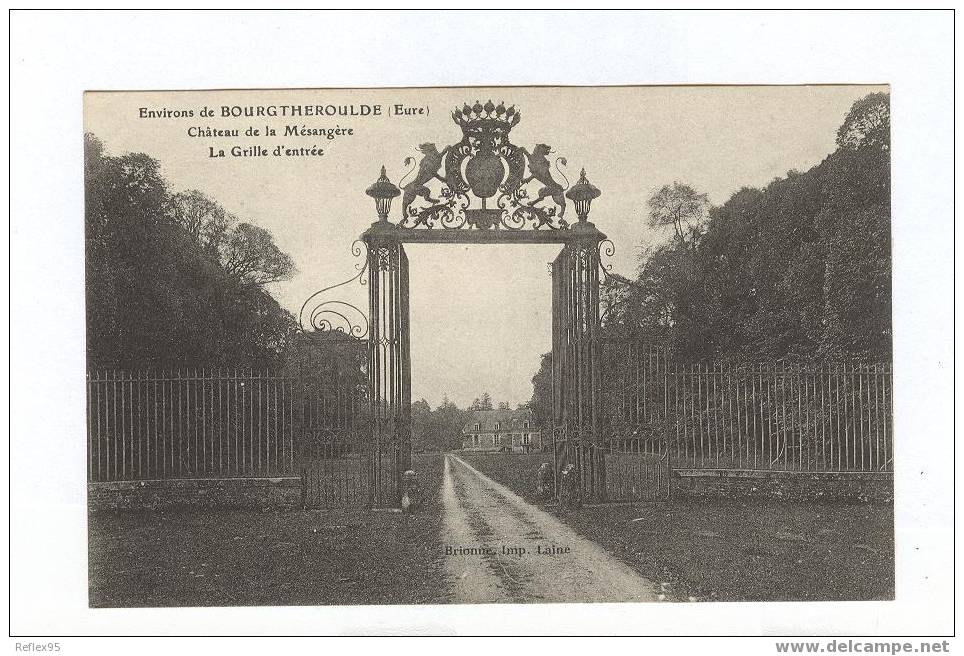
(283, 492)
(790, 486)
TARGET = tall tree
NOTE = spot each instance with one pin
(680, 206)
(439, 429)
(252, 258)
(541, 402)
(159, 293)
(482, 403)
(801, 267)
(867, 125)
(203, 219)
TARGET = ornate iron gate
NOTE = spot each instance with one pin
(635, 415)
(335, 451)
(482, 189)
(610, 392)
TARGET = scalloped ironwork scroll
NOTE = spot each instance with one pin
(614, 290)
(321, 316)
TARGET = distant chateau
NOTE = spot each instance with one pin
(512, 431)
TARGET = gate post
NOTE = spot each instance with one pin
(389, 363)
(576, 371)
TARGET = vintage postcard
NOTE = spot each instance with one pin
(489, 345)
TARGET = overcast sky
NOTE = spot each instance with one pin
(480, 314)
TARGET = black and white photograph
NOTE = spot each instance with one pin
(561, 354)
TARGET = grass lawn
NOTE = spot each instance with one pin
(517, 471)
(219, 557)
(734, 549)
(728, 550)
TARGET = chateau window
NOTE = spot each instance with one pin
(497, 425)
(478, 427)
(526, 438)
(525, 424)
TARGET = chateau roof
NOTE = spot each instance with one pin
(507, 420)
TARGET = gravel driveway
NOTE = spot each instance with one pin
(500, 548)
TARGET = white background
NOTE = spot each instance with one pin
(55, 57)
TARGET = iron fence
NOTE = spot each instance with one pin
(144, 425)
(657, 416)
(821, 418)
(786, 417)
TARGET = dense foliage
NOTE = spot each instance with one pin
(439, 429)
(541, 402)
(172, 279)
(483, 402)
(801, 267)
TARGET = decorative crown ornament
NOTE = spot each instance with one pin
(484, 118)
(485, 128)
(486, 181)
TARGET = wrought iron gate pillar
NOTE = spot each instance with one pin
(575, 357)
(389, 363)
